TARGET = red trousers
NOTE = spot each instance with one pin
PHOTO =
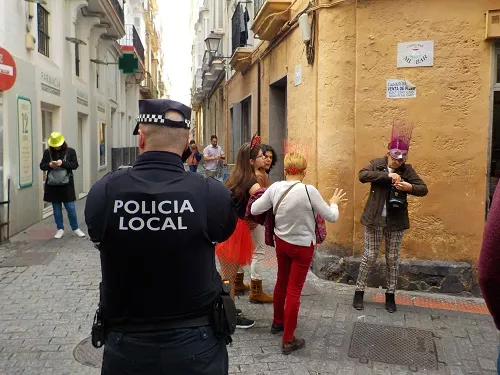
(293, 263)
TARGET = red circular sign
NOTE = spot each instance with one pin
(7, 70)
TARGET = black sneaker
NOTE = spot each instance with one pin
(244, 323)
(238, 312)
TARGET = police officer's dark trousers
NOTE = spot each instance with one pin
(184, 351)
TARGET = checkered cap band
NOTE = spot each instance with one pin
(148, 118)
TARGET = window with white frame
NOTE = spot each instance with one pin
(102, 145)
(43, 31)
(498, 65)
(494, 157)
(47, 117)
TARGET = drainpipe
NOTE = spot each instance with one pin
(258, 98)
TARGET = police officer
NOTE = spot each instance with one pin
(156, 226)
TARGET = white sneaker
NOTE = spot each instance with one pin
(79, 233)
(59, 234)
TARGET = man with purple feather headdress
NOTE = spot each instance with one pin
(386, 211)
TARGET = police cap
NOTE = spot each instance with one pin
(152, 111)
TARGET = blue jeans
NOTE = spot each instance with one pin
(185, 351)
(58, 215)
(193, 168)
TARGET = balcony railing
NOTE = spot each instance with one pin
(119, 10)
(257, 5)
(132, 38)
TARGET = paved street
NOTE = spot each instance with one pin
(47, 309)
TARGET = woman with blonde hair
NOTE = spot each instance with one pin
(294, 204)
(238, 249)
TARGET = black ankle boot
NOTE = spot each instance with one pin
(390, 302)
(358, 300)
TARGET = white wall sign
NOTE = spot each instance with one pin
(416, 54)
(24, 124)
(298, 75)
(82, 97)
(399, 89)
(50, 83)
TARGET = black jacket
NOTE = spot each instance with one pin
(60, 193)
(376, 173)
(156, 225)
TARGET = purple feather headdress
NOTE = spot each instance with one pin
(400, 139)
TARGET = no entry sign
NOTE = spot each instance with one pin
(7, 70)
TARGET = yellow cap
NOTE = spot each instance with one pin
(56, 139)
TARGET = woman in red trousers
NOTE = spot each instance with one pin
(293, 203)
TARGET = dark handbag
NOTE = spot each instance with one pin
(58, 176)
(320, 224)
(397, 198)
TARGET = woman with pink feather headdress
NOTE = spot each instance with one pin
(386, 211)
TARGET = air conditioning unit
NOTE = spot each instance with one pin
(493, 24)
(30, 42)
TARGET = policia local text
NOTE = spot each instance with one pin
(154, 223)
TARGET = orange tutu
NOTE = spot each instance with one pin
(239, 247)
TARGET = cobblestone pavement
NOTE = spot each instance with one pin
(46, 310)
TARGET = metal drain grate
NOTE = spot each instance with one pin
(402, 346)
(26, 259)
(87, 355)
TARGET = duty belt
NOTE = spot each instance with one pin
(151, 326)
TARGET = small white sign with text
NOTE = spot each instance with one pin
(399, 89)
(415, 54)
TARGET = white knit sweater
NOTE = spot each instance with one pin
(295, 222)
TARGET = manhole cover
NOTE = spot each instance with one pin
(402, 346)
(26, 259)
(87, 355)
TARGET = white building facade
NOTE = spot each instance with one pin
(230, 21)
(68, 80)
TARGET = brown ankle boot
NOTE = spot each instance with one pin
(257, 295)
(239, 286)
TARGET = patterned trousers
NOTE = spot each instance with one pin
(373, 240)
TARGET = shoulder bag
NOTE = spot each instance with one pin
(320, 224)
(58, 176)
(283, 197)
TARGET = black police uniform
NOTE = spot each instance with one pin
(156, 225)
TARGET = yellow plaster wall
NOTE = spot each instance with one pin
(341, 115)
(450, 143)
(336, 64)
